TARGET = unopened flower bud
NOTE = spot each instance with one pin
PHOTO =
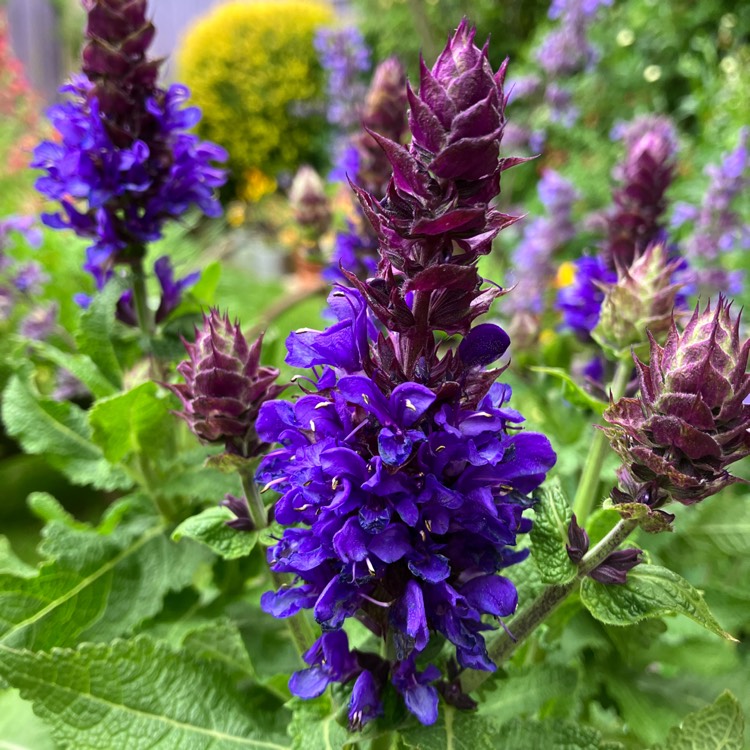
(642, 298)
(690, 421)
(311, 206)
(225, 386)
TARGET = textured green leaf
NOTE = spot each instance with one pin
(528, 691)
(80, 365)
(47, 508)
(220, 641)
(651, 591)
(454, 730)
(314, 726)
(135, 694)
(9, 563)
(96, 328)
(192, 480)
(549, 735)
(96, 586)
(136, 421)
(459, 730)
(20, 729)
(572, 391)
(720, 726)
(549, 535)
(60, 432)
(210, 528)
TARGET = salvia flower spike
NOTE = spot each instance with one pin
(689, 423)
(225, 386)
(403, 472)
(640, 202)
(125, 162)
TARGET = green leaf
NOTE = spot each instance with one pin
(60, 432)
(205, 289)
(549, 535)
(95, 586)
(96, 328)
(314, 726)
(650, 591)
(210, 528)
(9, 563)
(82, 366)
(459, 730)
(572, 391)
(136, 694)
(454, 730)
(20, 729)
(720, 726)
(136, 421)
(550, 735)
(528, 691)
(47, 508)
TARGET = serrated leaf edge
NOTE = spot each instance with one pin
(81, 585)
(216, 735)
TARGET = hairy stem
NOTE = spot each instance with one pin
(586, 495)
(255, 503)
(299, 626)
(535, 613)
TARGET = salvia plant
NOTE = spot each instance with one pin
(397, 546)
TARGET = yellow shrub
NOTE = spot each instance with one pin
(253, 70)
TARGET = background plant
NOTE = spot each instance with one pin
(253, 70)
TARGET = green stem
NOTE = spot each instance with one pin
(299, 626)
(531, 616)
(586, 495)
(140, 300)
(255, 503)
(382, 741)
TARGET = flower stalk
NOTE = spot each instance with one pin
(585, 497)
(535, 613)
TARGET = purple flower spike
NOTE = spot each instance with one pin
(640, 203)
(402, 470)
(581, 293)
(125, 163)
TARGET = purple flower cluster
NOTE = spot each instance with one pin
(566, 49)
(403, 505)
(542, 238)
(345, 57)
(637, 218)
(23, 282)
(121, 197)
(403, 472)
(580, 296)
(125, 163)
(633, 224)
(717, 225)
